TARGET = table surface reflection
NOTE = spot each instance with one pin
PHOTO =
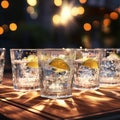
(102, 103)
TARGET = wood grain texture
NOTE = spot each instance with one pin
(82, 104)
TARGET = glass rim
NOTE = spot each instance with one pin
(54, 49)
(13, 49)
(2, 48)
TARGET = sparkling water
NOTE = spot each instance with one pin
(110, 72)
(85, 77)
(24, 77)
(2, 63)
(56, 83)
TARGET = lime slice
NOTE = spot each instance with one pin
(59, 64)
(32, 61)
(91, 63)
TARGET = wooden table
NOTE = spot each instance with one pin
(102, 104)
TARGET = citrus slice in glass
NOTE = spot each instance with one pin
(113, 56)
(33, 61)
(59, 64)
(91, 63)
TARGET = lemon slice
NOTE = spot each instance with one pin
(59, 64)
(113, 56)
(32, 58)
(91, 63)
(33, 61)
(32, 64)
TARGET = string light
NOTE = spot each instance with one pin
(13, 26)
(114, 15)
(56, 19)
(82, 1)
(5, 4)
(65, 14)
(58, 2)
(87, 26)
(1, 30)
(106, 22)
(32, 2)
(77, 11)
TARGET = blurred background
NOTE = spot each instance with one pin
(59, 24)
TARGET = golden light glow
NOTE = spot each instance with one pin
(58, 2)
(13, 26)
(65, 14)
(87, 26)
(74, 11)
(5, 27)
(5, 4)
(77, 11)
(106, 22)
(30, 9)
(62, 103)
(96, 23)
(34, 15)
(32, 2)
(114, 15)
(81, 10)
(82, 1)
(56, 19)
(1, 30)
(118, 10)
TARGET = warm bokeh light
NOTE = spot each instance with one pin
(13, 26)
(34, 15)
(106, 22)
(65, 14)
(114, 15)
(32, 2)
(5, 27)
(118, 10)
(81, 10)
(5, 4)
(106, 29)
(77, 11)
(96, 23)
(58, 2)
(1, 30)
(30, 9)
(106, 15)
(82, 1)
(87, 26)
(56, 19)
(74, 11)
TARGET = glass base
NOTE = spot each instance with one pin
(109, 84)
(88, 88)
(56, 94)
(56, 97)
(25, 89)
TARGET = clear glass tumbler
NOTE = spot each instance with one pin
(56, 71)
(2, 63)
(110, 67)
(87, 69)
(25, 69)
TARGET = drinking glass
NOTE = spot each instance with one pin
(110, 67)
(25, 69)
(87, 69)
(2, 63)
(56, 71)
